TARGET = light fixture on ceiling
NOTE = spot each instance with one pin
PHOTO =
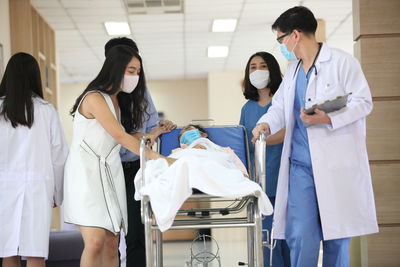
(224, 25)
(218, 51)
(117, 28)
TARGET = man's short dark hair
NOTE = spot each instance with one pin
(297, 18)
(120, 41)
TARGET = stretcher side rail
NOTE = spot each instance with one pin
(260, 174)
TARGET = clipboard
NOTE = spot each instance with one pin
(329, 105)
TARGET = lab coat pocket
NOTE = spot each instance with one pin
(332, 89)
(343, 152)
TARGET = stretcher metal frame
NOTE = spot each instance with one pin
(252, 221)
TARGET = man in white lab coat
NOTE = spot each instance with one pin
(324, 188)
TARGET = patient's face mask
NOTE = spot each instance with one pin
(190, 136)
(259, 78)
(129, 83)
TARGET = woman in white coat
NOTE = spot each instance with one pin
(324, 188)
(32, 157)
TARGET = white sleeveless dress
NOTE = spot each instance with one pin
(94, 184)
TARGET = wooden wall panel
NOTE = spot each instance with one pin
(35, 33)
(376, 28)
(20, 19)
(386, 182)
(379, 61)
(383, 128)
(41, 35)
(52, 47)
(320, 34)
(382, 249)
(375, 17)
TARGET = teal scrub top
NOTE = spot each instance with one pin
(250, 114)
(300, 150)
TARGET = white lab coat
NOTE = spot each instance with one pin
(31, 178)
(338, 151)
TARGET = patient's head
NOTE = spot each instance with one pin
(190, 133)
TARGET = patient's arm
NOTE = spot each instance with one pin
(238, 162)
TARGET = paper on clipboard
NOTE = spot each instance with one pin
(329, 105)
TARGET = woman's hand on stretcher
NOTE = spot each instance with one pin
(151, 139)
(165, 126)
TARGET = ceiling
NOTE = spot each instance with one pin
(174, 45)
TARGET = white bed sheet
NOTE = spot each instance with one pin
(211, 171)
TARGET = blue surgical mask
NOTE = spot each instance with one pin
(289, 55)
(190, 136)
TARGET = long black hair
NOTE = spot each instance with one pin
(275, 76)
(120, 41)
(21, 82)
(133, 106)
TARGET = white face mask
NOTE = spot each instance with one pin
(129, 83)
(259, 78)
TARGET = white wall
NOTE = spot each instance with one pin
(180, 100)
(5, 32)
(67, 95)
(225, 96)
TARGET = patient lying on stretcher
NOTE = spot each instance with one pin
(195, 137)
(200, 164)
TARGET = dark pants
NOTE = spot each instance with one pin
(135, 240)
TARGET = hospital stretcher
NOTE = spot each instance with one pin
(230, 216)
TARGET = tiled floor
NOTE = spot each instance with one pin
(177, 253)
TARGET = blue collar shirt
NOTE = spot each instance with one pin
(147, 126)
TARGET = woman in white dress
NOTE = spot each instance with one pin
(32, 158)
(94, 187)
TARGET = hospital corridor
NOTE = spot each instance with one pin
(199, 133)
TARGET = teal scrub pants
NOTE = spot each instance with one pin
(303, 225)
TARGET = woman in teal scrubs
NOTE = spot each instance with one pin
(262, 79)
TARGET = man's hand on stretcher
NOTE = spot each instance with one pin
(271, 140)
(260, 128)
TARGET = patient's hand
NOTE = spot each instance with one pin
(198, 146)
(170, 160)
